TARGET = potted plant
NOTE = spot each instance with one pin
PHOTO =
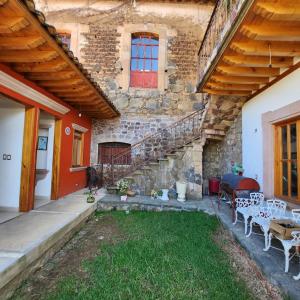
(90, 197)
(122, 187)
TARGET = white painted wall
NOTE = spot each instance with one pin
(45, 158)
(284, 92)
(11, 142)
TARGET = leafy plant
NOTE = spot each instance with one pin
(159, 193)
(122, 187)
(90, 196)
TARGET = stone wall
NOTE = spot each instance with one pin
(100, 30)
(218, 156)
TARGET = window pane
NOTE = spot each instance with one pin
(285, 178)
(284, 142)
(155, 65)
(134, 51)
(148, 65)
(293, 133)
(154, 52)
(148, 52)
(134, 64)
(294, 178)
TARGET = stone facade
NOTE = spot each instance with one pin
(219, 156)
(101, 32)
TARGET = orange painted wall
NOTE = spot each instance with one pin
(72, 181)
(68, 181)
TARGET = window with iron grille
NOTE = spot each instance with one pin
(144, 60)
(108, 150)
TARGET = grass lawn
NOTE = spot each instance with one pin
(163, 256)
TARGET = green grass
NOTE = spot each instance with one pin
(165, 256)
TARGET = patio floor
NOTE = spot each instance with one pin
(28, 240)
(270, 262)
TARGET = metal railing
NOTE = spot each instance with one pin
(224, 15)
(153, 147)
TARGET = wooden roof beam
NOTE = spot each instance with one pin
(273, 31)
(234, 86)
(258, 61)
(246, 71)
(21, 56)
(223, 92)
(21, 43)
(12, 24)
(239, 79)
(77, 94)
(60, 83)
(69, 89)
(264, 48)
(52, 66)
(280, 11)
(53, 75)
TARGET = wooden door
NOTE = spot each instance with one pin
(286, 160)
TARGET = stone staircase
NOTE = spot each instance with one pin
(158, 161)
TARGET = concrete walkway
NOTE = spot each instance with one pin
(28, 240)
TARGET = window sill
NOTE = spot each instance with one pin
(77, 169)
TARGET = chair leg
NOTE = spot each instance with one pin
(246, 223)
(236, 217)
(267, 240)
(287, 257)
(250, 229)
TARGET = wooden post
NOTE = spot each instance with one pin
(29, 159)
(56, 160)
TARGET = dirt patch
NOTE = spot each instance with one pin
(86, 244)
(246, 268)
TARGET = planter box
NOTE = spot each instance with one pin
(283, 228)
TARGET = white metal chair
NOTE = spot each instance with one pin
(287, 245)
(242, 206)
(262, 216)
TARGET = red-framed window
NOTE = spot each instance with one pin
(144, 60)
(107, 150)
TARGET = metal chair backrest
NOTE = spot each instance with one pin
(243, 202)
(277, 208)
(296, 215)
(258, 198)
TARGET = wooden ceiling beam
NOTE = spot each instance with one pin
(69, 89)
(223, 92)
(239, 79)
(280, 11)
(258, 61)
(76, 94)
(234, 86)
(60, 83)
(12, 24)
(21, 56)
(52, 66)
(272, 31)
(263, 48)
(81, 99)
(53, 75)
(21, 43)
(246, 71)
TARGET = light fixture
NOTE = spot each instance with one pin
(270, 56)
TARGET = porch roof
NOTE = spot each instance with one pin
(261, 47)
(33, 48)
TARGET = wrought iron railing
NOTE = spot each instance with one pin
(222, 19)
(153, 147)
